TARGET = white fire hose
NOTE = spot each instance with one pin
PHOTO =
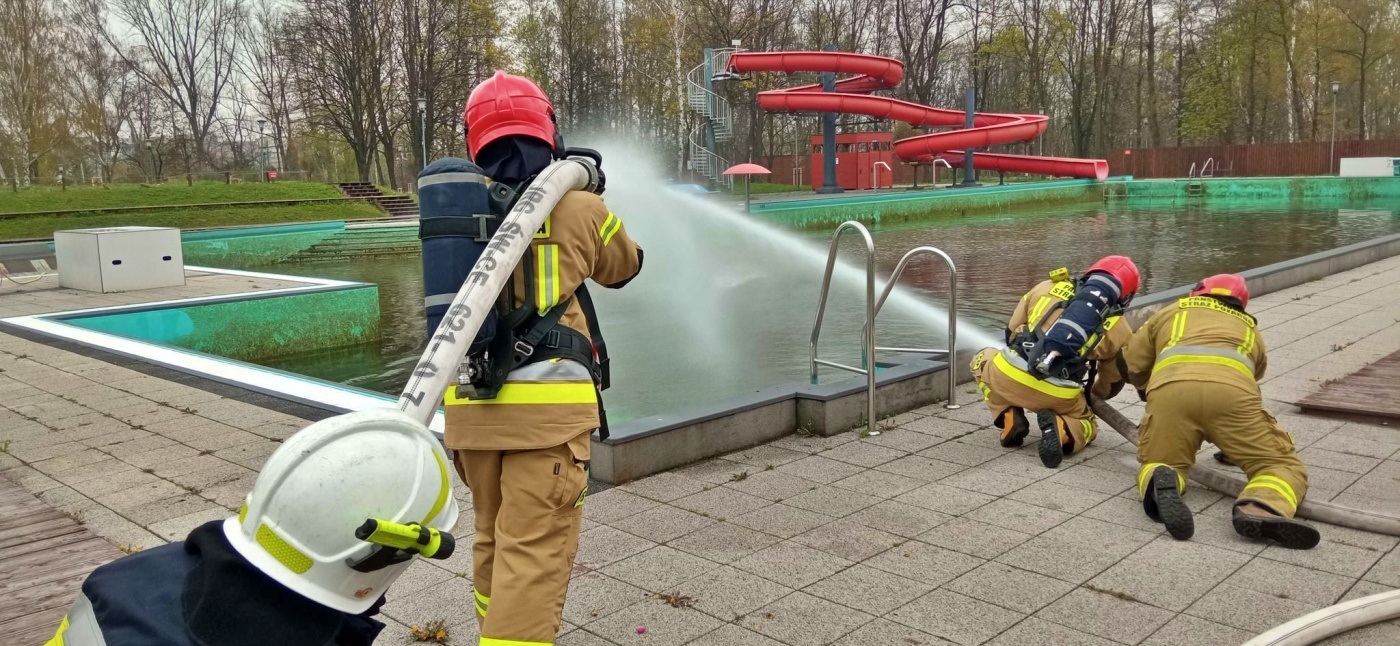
(437, 369)
(1327, 622)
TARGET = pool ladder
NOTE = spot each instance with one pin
(872, 311)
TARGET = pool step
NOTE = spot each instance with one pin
(361, 242)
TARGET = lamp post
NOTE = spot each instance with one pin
(1332, 156)
(262, 149)
(423, 128)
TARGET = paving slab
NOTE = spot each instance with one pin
(957, 618)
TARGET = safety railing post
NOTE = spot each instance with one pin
(952, 351)
(868, 334)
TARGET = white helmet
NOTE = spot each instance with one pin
(298, 523)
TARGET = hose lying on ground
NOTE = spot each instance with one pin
(437, 369)
(1335, 620)
(1327, 622)
(1230, 485)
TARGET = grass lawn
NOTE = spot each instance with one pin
(43, 226)
(759, 188)
(50, 198)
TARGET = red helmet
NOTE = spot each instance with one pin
(1232, 285)
(1122, 269)
(506, 105)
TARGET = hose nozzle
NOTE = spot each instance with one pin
(412, 537)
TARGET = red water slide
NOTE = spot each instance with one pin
(871, 73)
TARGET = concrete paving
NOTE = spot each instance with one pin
(927, 534)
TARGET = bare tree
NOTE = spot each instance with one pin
(265, 66)
(188, 50)
(29, 84)
(102, 88)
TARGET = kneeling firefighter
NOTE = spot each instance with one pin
(527, 402)
(1200, 362)
(1063, 340)
(337, 513)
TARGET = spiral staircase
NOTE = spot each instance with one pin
(716, 116)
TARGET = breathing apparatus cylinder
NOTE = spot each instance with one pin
(455, 224)
(1061, 348)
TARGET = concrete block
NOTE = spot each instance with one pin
(716, 471)
(1185, 629)
(898, 518)
(1106, 615)
(681, 439)
(723, 542)
(833, 501)
(953, 616)
(665, 626)
(615, 504)
(139, 495)
(884, 631)
(781, 520)
(1154, 574)
(603, 545)
(659, 569)
(1097, 545)
(728, 593)
(792, 564)
(593, 595)
(664, 487)
(801, 618)
(721, 502)
(818, 468)
(80, 456)
(1019, 516)
(662, 523)
(1087, 478)
(1034, 632)
(1012, 588)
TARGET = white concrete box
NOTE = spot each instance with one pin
(1369, 167)
(119, 259)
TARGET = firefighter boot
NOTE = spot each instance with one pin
(1053, 438)
(1223, 459)
(1013, 426)
(1253, 521)
(1162, 502)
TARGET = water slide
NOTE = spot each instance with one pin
(871, 73)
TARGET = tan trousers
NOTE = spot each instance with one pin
(1182, 414)
(1002, 390)
(528, 507)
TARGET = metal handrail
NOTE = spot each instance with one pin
(868, 342)
(875, 174)
(952, 351)
(1210, 164)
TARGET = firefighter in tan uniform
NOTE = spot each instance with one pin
(1199, 363)
(1047, 360)
(524, 452)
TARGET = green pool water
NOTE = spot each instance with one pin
(716, 314)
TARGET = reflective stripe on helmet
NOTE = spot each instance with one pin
(283, 551)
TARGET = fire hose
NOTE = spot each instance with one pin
(1327, 622)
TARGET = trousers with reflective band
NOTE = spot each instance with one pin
(528, 510)
(1182, 414)
(1145, 477)
(1004, 386)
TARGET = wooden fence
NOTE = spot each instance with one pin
(1259, 160)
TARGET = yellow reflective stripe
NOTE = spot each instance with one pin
(443, 492)
(986, 392)
(546, 277)
(1178, 328)
(1248, 345)
(610, 228)
(482, 601)
(492, 641)
(281, 550)
(1111, 321)
(57, 639)
(1058, 392)
(533, 392)
(1145, 473)
(1277, 484)
(1039, 309)
(1204, 358)
(1088, 431)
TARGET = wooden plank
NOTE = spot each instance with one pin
(28, 547)
(1372, 390)
(56, 563)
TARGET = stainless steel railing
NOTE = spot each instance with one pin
(868, 340)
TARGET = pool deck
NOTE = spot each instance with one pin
(927, 534)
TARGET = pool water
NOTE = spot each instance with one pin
(716, 314)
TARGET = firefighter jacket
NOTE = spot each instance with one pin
(1037, 308)
(201, 591)
(1198, 339)
(547, 403)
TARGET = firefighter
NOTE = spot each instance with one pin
(298, 565)
(1065, 333)
(522, 446)
(1199, 362)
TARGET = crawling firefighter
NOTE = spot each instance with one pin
(527, 401)
(1063, 339)
(1199, 362)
